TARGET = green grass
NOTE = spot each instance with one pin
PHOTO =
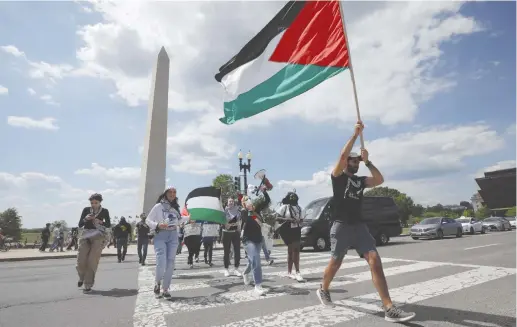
(31, 237)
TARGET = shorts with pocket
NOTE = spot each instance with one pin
(344, 236)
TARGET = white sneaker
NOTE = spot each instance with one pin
(259, 290)
(246, 278)
(237, 272)
(298, 277)
(290, 275)
(226, 273)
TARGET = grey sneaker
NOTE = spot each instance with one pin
(324, 296)
(395, 314)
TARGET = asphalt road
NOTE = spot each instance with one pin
(468, 281)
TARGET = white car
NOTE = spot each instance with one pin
(471, 225)
(512, 221)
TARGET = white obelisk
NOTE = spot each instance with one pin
(152, 182)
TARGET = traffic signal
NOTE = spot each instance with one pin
(237, 183)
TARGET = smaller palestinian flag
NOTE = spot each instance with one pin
(204, 203)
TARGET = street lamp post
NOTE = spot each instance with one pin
(245, 169)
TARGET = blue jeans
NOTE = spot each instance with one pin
(264, 249)
(253, 250)
(165, 247)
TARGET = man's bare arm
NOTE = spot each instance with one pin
(376, 178)
(342, 161)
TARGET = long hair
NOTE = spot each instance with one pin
(291, 198)
(163, 197)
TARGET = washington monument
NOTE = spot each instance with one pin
(152, 179)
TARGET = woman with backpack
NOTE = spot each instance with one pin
(289, 217)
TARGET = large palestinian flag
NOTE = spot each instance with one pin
(301, 47)
(205, 204)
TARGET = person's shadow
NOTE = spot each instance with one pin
(115, 292)
(450, 316)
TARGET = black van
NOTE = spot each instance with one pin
(381, 215)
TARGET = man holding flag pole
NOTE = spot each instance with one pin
(302, 46)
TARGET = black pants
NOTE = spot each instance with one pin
(121, 248)
(193, 244)
(231, 239)
(209, 246)
(142, 245)
(44, 243)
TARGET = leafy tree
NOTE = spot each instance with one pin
(467, 205)
(483, 212)
(11, 223)
(225, 183)
(405, 203)
(468, 213)
(510, 212)
(63, 223)
(417, 210)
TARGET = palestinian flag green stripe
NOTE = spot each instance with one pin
(205, 204)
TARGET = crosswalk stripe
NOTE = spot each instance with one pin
(151, 312)
(345, 310)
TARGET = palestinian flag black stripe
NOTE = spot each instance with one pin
(258, 44)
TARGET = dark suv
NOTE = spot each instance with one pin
(380, 214)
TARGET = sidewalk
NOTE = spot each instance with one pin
(34, 254)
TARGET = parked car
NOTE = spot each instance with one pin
(471, 225)
(436, 227)
(497, 224)
(380, 214)
(511, 220)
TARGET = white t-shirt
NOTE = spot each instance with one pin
(288, 211)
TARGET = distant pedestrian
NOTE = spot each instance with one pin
(58, 238)
(94, 219)
(231, 238)
(142, 234)
(73, 239)
(45, 236)
(192, 239)
(122, 233)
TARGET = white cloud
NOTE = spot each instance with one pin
(31, 91)
(511, 129)
(118, 173)
(41, 69)
(3, 90)
(47, 123)
(11, 49)
(48, 99)
(434, 152)
(37, 195)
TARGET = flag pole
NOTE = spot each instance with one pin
(351, 69)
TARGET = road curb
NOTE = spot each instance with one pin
(65, 256)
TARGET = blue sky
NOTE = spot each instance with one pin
(436, 86)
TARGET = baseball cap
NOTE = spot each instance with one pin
(355, 155)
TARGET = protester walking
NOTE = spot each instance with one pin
(73, 239)
(142, 234)
(45, 236)
(252, 239)
(266, 234)
(94, 220)
(349, 229)
(192, 239)
(231, 238)
(58, 238)
(122, 233)
(289, 216)
(209, 232)
(164, 219)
